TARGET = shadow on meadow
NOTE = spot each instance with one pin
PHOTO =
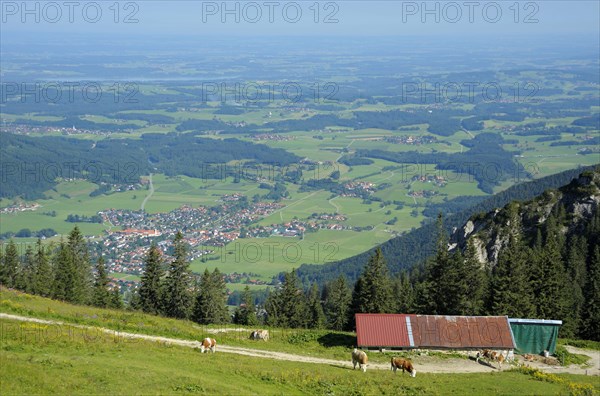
(337, 340)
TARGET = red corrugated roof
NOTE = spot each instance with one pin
(433, 331)
(377, 328)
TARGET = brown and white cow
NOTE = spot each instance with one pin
(208, 344)
(405, 365)
(360, 358)
(260, 335)
(489, 355)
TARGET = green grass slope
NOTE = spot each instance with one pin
(65, 359)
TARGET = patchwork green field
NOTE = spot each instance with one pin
(406, 148)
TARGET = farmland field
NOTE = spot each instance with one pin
(383, 160)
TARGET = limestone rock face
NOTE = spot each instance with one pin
(489, 231)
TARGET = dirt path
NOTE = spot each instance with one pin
(424, 364)
(149, 194)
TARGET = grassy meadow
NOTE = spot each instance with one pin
(49, 359)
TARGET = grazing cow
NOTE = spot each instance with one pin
(528, 357)
(208, 344)
(260, 335)
(360, 358)
(404, 364)
(490, 355)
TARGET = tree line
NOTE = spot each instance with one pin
(543, 274)
(416, 246)
(548, 276)
(63, 272)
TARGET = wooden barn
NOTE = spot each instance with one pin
(402, 331)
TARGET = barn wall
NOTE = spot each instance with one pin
(535, 338)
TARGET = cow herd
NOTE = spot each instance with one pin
(491, 356)
(210, 344)
(260, 335)
(360, 358)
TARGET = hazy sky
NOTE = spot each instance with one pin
(281, 18)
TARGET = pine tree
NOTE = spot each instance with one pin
(210, 304)
(25, 279)
(245, 314)
(510, 290)
(404, 294)
(337, 303)
(373, 290)
(178, 298)
(80, 263)
(101, 295)
(219, 291)
(551, 299)
(10, 265)
(116, 301)
(454, 286)
(287, 306)
(575, 272)
(43, 272)
(150, 292)
(64, 277)
(431, 298)
(315, 308)
(474, 281)
(591, 310)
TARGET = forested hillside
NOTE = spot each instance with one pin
(541, 258)
(414, 247)
(33, 165)
(533, 259)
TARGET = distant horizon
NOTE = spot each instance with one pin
(342, 18)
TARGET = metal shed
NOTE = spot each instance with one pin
(433, 331)
(535, 335)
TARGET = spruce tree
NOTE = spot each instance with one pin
(203, 306)
(454, 286)
(43, 272)
(510, 290)
(591, 310)
(287, 306)
(575, 272)
(178, 297)
(219, 292)
(337, 303)
(550, 298)
(101, 294)
(315, 308)
(431, 292)
(10, 265)
(373, 290)
(404, 294)
(150, 292)
(64, 277)
(80, 263)
(245, 314)
(25, 280)
(474, 275)
(116, 301)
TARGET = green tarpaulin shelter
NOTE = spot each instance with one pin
(535, 335)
